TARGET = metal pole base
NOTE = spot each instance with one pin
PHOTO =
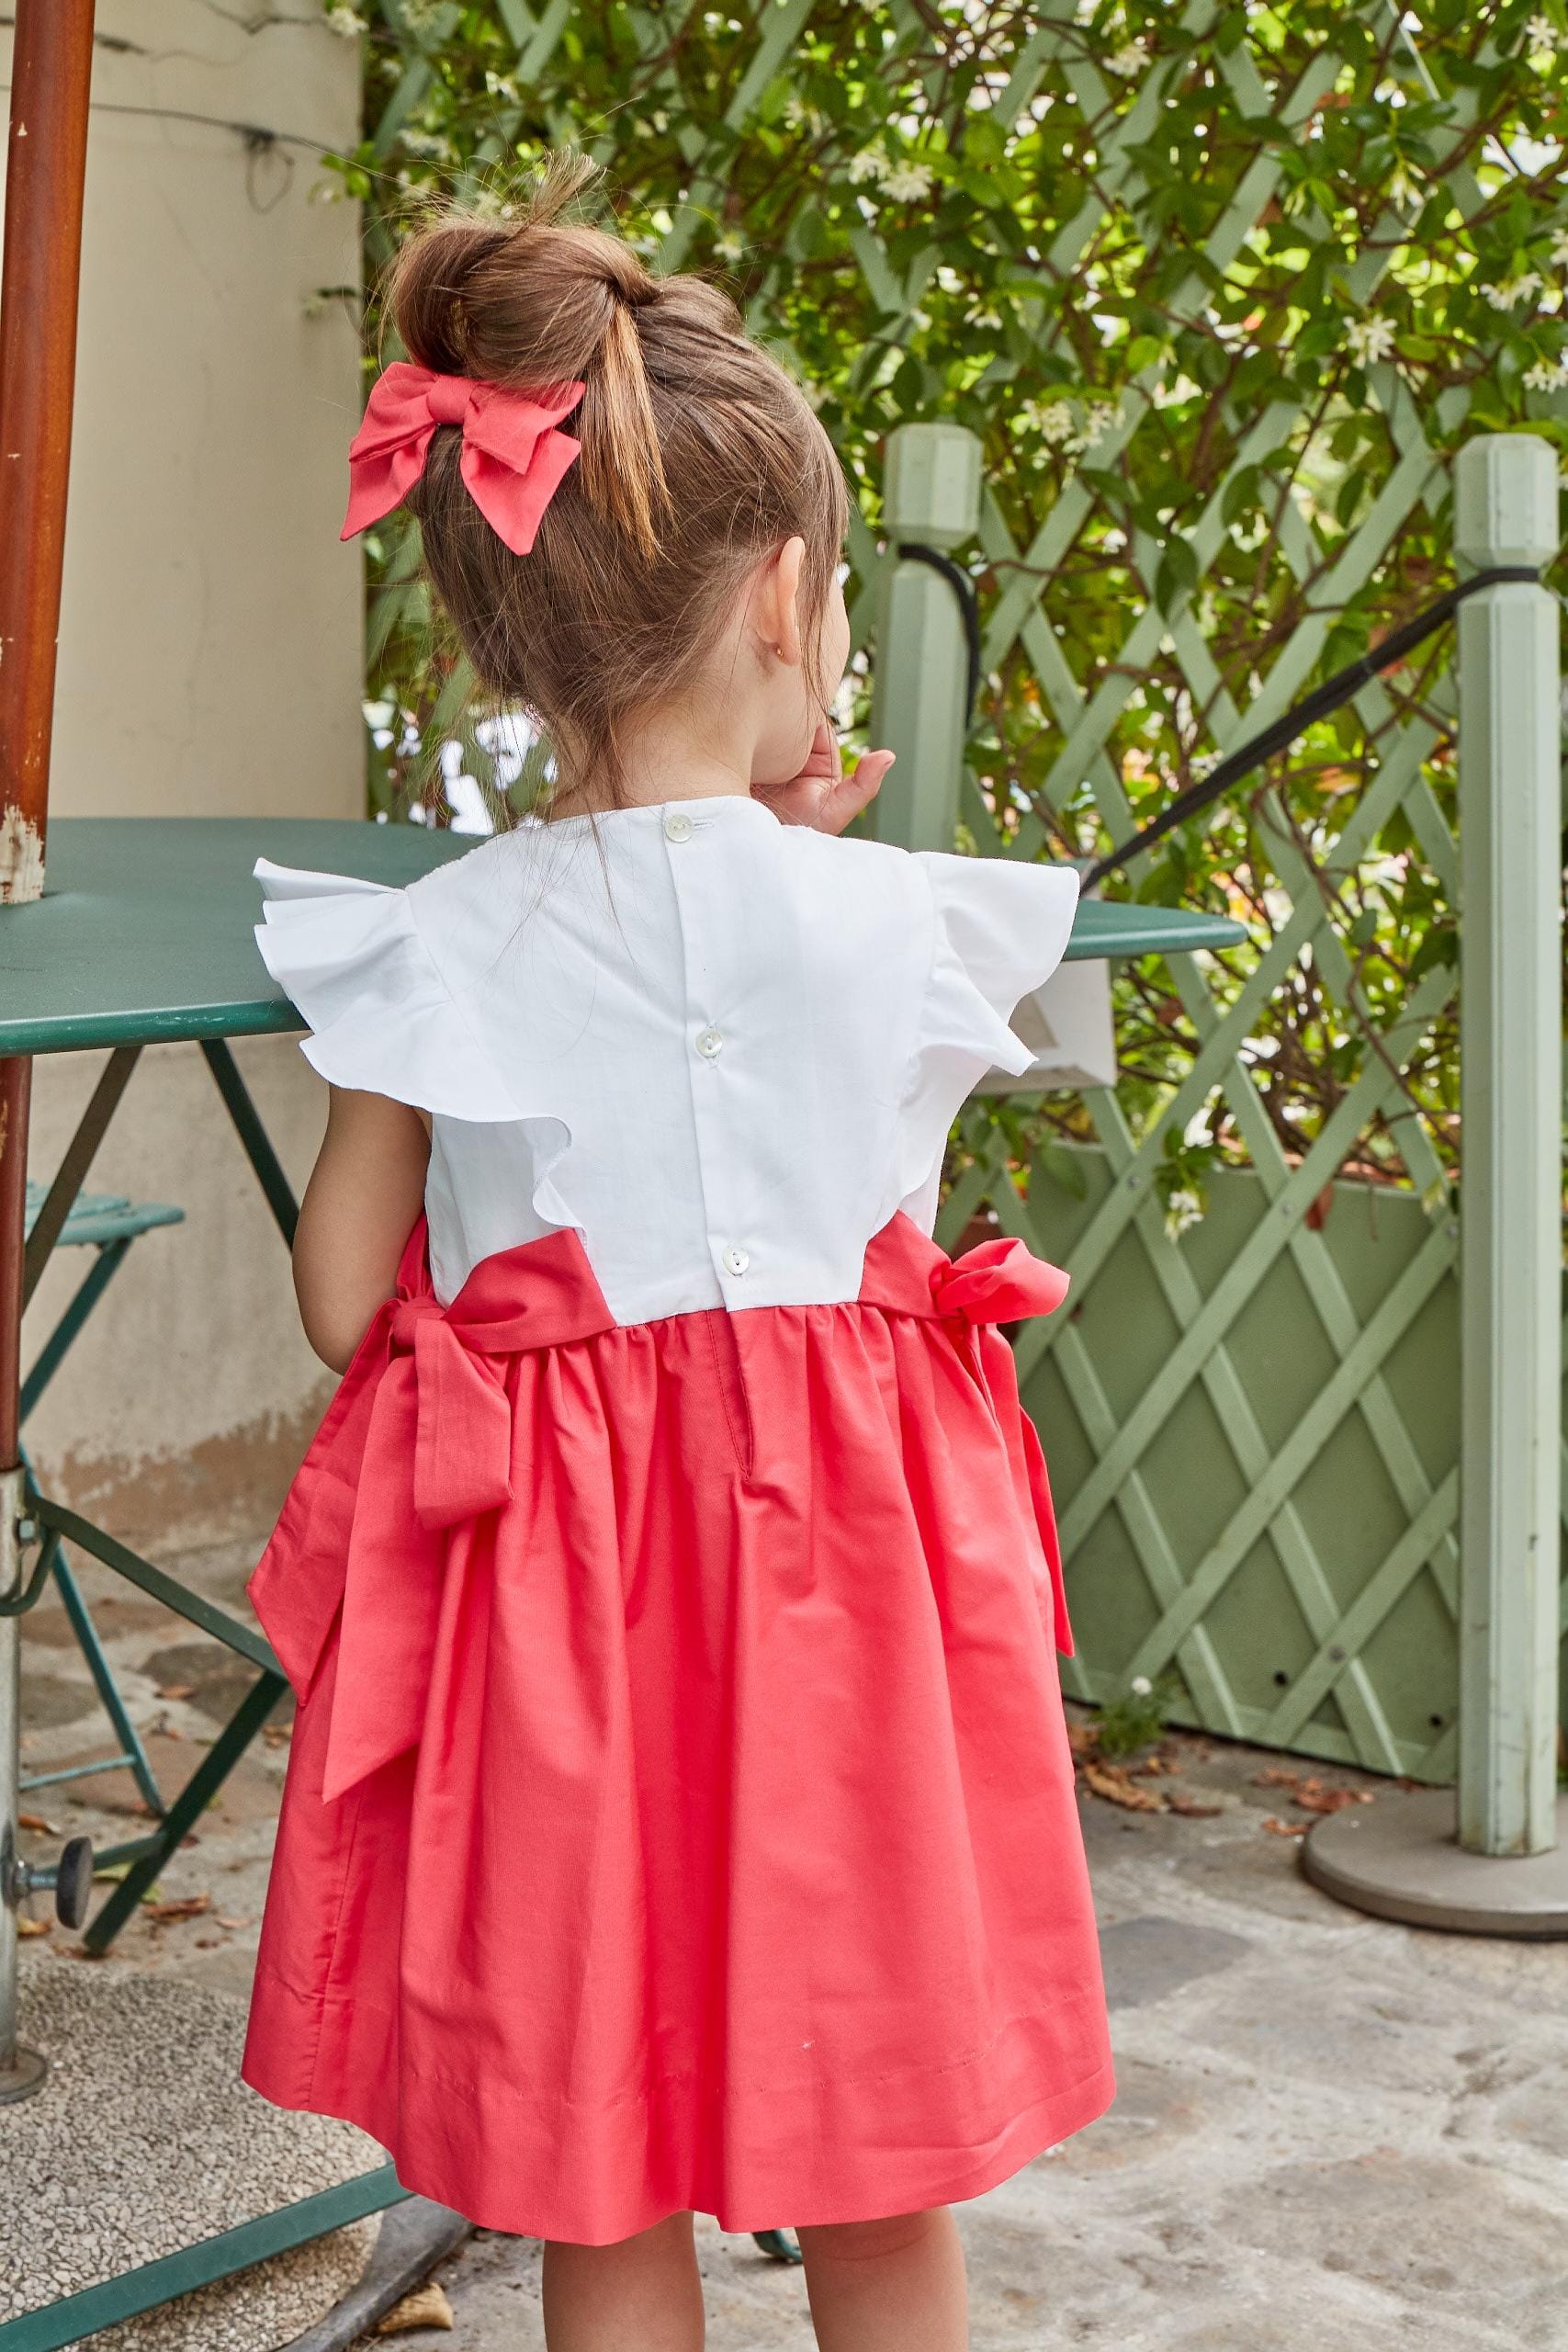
(23, 2077)
(1399, 1858)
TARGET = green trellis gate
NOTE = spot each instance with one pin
(1256, 1423)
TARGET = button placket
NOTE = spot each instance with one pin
(719, 938)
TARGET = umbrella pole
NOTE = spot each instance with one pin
(51, 73)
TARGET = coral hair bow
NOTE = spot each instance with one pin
(513, 457)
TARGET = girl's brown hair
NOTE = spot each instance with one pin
(699, 457)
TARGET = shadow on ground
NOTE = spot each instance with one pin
(1329, 2131)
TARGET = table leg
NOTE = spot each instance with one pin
(21, 2069)
(186, 1808)
(258, 1143)
(72, 1173)
(147, 1855)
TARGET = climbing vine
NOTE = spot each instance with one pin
(1221, 287)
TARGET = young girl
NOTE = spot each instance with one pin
(681, 1814)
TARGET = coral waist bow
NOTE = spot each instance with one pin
(417, 1446)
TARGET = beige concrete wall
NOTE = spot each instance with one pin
(211, 633)
(210, 664)
(185, 1407)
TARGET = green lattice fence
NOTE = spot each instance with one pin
(1222, 289)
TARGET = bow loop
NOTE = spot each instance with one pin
(513, 461)
(462, 1462)
(449, 397)
(1000, 1282)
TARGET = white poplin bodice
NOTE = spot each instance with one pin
(724, 1049)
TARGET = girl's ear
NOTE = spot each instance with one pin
(777, 607)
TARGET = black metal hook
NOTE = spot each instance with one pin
(1322, 701)
(962, 587)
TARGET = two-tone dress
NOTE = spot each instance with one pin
(679, 1812)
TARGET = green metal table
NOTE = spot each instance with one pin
(143, 934)
(143, 937)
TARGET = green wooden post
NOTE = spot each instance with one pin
(1509, 740)
(932, 495)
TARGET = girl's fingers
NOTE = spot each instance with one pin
(857, 790)
(869, 771)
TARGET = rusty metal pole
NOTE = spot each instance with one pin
(46, 166)
(52, 59)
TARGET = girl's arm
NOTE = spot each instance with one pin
(362, 1203)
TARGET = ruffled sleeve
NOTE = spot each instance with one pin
(350, 959)
(999, 928)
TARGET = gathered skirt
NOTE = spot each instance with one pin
(679, 1812)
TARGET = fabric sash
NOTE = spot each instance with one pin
(422, 1419)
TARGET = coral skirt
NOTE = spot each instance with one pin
(679, 1812)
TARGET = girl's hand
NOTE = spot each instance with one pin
(821, 795)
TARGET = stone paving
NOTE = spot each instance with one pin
(1330, 2131)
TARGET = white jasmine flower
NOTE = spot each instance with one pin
(1370, 339)
(729, 247)
(420, 16)
(1547, 376)
(1053, 422)
(1140, 1686)
(869, 165)
(1130, 59)
(1102, 418)
(1543, 37)
(908, 182)
(1403, 188)
(1182, 1211)
(1513, 291)
(346, 22)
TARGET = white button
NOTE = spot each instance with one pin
(710, 1045)
(736, 1260)
(677, 826)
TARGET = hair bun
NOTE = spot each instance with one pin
(697, 455)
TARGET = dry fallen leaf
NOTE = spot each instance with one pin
(1314, 1797)
(175, 1689)
(224, 1921)
(1277, 1776)
(277, 1735)
(426, 2307)
(35, 1821)
(185, 1907)
(1284, 1829)
(26, 1927)
(1191, 1808)
(1111, 1782)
